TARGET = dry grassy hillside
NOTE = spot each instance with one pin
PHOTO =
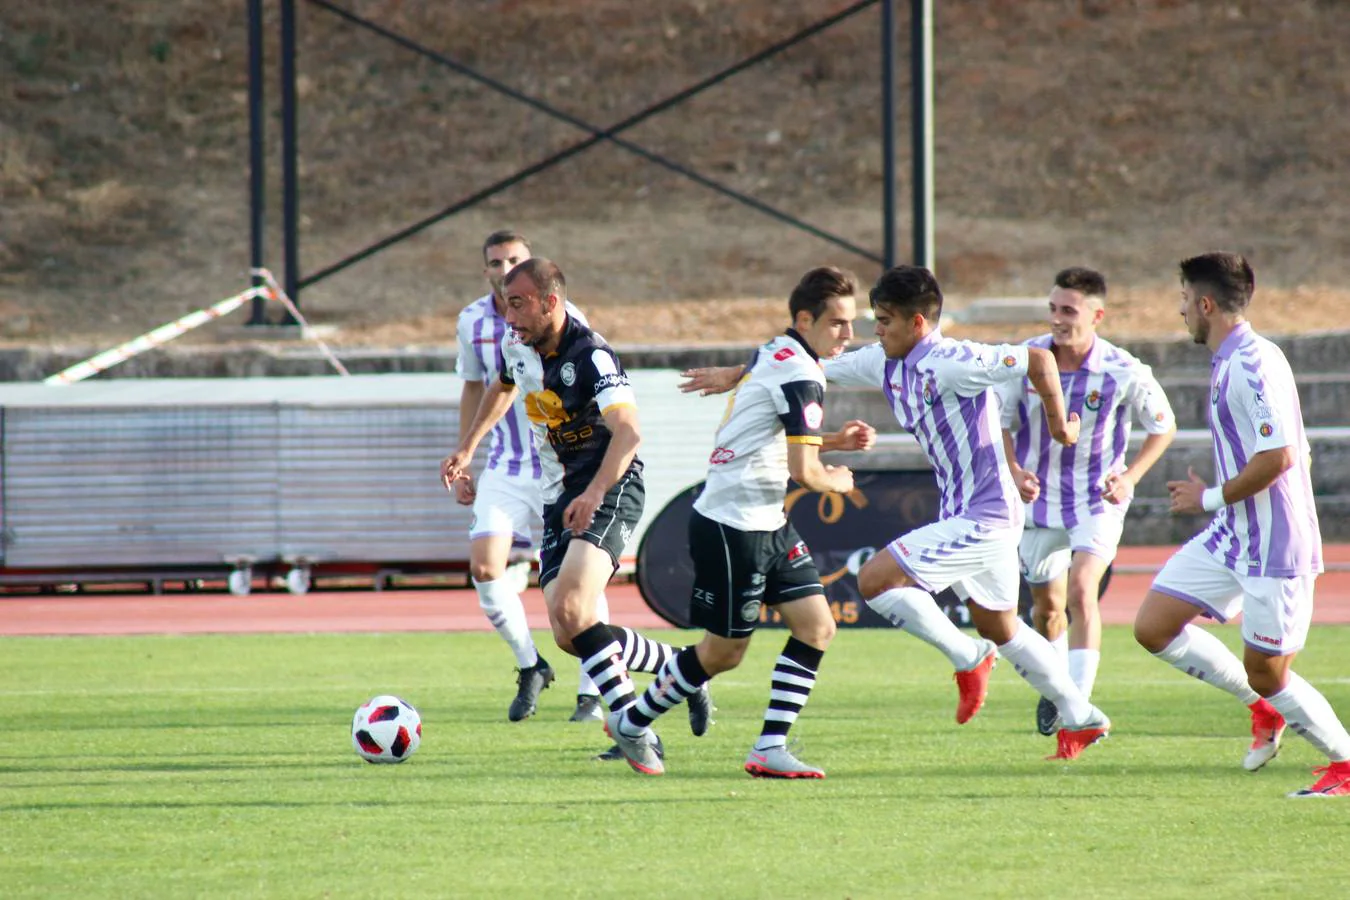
(1115, 133)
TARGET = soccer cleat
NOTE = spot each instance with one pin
(614, 754)
(1047, 718)
(1073, 741)
(700, 711)
(974, 683)
(588, 709)
(1267, 730)
(778, 762)
(1333, 781)
(529, 683)
(638, 750)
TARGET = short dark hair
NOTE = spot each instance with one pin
(504, 236)
(1088, 282)
(908, 290)
(818, 287)
(543, 273)
(1226, 277)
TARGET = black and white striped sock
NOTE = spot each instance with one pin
(679, 679)
(602, 659)
(793, 677)
(642, 654)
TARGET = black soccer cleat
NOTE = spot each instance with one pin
(1047, 718)
(700, 710)
(529, 683)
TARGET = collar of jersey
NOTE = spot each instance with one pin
(1092, 362)
(923, 347)
(1235, 337)
(569, 333)
(792, 333)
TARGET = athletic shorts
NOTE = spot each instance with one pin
(977, 561)
(1046, 553)
(1276, 612)
(506, 505)
(612, 527)
(736, 572)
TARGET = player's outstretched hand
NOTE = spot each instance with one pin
(454, 467)
(857, 435)
(465, 490)
(709, 380)
(1188, 497)
(1069, 435)
(581, 511)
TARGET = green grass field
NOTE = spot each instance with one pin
(222, 766)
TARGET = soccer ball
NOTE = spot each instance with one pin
(386, 730)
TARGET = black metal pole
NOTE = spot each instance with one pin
(921, 61)
(290, 196)
(256, 161)
(888, 249)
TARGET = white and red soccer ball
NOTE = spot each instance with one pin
(386, 729)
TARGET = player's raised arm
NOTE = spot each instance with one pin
(855, 435)
(496, 400)
(625, 438)
(711, 379)
(1043, 374)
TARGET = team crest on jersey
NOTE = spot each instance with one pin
(1010, 360)
(929, 393)
(813, 415)
(546, 408)
(1093, 401)
(1159, 417)
(1266, 429)
(721, 456)
(568, 374)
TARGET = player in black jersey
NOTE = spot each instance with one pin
(582, 408)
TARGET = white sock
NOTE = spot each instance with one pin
(915, 611)
(1083, 669)
(1061, 645)
(584, 683)
(1201, 655)
(1309, 713)
(1036, 661)
(501, 604)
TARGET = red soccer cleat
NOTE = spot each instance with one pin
(974, 684)
(1267, 730)
(1073, 741)
(1334, 781)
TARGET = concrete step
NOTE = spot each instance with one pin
(1149, 519)
(1325, 399)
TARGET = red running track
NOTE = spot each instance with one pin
(457, 609)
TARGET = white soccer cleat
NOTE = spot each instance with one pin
(778, 762)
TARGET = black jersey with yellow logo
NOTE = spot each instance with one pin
(567, 394)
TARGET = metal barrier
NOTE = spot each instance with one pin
(294, 282)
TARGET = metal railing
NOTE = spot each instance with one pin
(294, 282)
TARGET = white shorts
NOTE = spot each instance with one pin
(978, 562)
(506, 505)
(1046, 553)
(1276, 612)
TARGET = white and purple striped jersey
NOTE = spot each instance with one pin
(1254, 407)
(1110, 385)
(511, 448)
(941, 393)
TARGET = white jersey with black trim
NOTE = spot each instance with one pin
(778, 401)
